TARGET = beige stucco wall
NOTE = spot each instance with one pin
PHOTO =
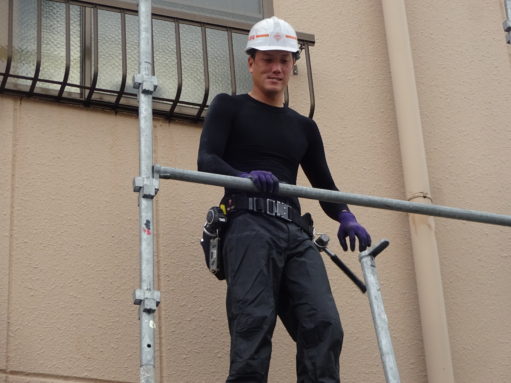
(464, 84)
(68, 216)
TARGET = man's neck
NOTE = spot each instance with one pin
(273, 100)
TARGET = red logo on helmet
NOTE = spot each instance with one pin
(277, 36)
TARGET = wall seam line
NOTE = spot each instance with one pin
(10, 251)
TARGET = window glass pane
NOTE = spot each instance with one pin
(76, 45)
(193, 68)
(109, 50)
(218, 61)
(24, 39)
(243, 78)
(53, 47)
(165, 64)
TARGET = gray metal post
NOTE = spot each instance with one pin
(146, 296)
(378, 311)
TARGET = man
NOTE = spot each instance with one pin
(271, 265)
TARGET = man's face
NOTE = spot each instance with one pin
(270, 71)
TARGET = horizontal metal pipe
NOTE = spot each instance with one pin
(336, 196)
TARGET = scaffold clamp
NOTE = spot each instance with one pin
(148, 83)
(147, 299)
(148, 186)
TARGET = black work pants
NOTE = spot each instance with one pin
(273, 268)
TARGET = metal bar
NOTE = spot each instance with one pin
(147, 297)
(9, 45)
(39, 37)
(95, 33)
(68, 51)
(206, 72)
(309, 78)
(124, 60)
(232, 66)
(337, 196)
(179, 70)
(380, 320)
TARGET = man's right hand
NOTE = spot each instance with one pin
(264, 181)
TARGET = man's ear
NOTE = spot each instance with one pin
(250, 63)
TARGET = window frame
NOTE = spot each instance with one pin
(111, 99)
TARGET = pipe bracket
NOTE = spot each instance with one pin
(420, 195)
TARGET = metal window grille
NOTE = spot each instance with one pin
(85, 53)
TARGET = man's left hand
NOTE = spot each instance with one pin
(352, 229)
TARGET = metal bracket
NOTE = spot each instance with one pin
(148, 83)
(148, 186)
(148, 299)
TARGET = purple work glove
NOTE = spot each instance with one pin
(351, 228)
(263, 180)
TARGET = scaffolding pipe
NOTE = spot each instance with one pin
(381, 323)
(335, 196)
(146, 297)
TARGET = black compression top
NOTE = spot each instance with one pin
(241, 134)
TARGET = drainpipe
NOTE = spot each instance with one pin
(422, 228)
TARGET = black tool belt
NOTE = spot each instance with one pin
(270, 207)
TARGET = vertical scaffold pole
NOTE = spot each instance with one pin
(380, 321)
(147, 186)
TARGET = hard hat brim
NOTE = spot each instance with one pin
(272, 48)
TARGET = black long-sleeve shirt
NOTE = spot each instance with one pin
(241, 134)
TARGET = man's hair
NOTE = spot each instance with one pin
(252, 53)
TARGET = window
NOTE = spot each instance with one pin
(87, 52)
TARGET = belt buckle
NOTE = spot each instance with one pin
(283, 211)
(277, 209)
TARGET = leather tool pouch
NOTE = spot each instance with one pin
(211, 241)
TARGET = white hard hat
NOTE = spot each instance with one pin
(272, 34)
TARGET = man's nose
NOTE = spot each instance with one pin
(276, 67)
